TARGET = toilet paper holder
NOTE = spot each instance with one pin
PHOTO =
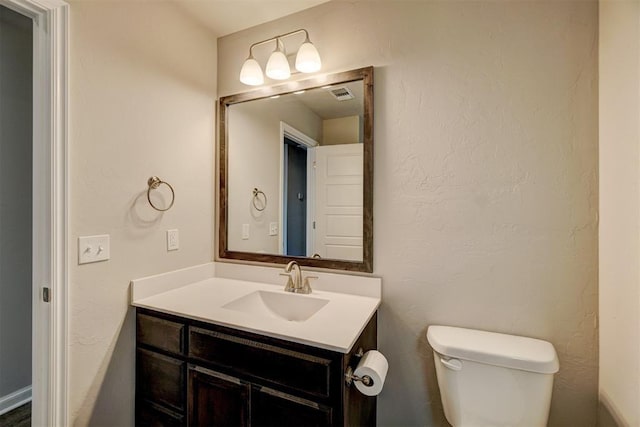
(350, 377)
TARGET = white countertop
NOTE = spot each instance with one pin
(336, 326)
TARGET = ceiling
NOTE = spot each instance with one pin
(321, 102)
(224, 17)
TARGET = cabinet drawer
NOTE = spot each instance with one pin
(281, 366)
(160, 333)
(161, 380)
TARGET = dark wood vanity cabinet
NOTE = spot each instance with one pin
(190, 373)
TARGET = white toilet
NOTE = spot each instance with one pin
(491, 379)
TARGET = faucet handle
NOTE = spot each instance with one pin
(306, 286)
(289, 286)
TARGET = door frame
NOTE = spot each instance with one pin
(50, 206)
(300, 137)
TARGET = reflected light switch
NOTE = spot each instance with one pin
(273, 229)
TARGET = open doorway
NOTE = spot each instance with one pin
(297, 191)
(16, 219)
(35, 185)
(295, 200)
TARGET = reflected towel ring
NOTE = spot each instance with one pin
(154, 182)
(256, 197)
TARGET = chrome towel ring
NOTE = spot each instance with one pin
(262, 201)
(154, 182)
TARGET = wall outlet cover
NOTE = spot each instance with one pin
(173, 240)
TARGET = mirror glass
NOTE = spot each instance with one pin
(294, 174)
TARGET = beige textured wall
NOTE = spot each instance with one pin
(142, 103)
(619, 210)
(486, 194)
(343, 130)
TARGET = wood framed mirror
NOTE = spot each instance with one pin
(296, 173)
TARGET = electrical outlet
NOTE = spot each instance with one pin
(93, 248)
(173, 241)
(245, 231)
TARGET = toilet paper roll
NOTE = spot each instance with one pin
(375, 365)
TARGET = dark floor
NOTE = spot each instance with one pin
(19, 417)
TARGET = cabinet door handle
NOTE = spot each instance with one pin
(453, 364)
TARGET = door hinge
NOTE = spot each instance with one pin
(314, 225)
(46, 294)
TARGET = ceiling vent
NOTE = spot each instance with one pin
(341, 93)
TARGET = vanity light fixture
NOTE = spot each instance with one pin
(307, 60)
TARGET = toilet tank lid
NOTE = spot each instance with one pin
(509, 351)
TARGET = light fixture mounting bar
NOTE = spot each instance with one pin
(275, 38)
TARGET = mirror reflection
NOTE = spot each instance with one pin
(295, 174)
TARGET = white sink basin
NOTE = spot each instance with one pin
(287, 306)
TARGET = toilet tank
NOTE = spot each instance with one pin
(491, 379)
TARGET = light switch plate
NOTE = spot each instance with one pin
(245, 231)
(93, 248)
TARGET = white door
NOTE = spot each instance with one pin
(338, 212)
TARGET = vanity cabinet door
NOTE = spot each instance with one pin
(151, 415)
(271, 408)
(216, 399)
(160, 380)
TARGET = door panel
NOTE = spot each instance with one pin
(339, 202)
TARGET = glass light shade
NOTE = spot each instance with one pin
(278, 66)
(308, 58)
(251, 73)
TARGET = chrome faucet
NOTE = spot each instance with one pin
(295, 282)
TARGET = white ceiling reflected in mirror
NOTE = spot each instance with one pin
(296, 173)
